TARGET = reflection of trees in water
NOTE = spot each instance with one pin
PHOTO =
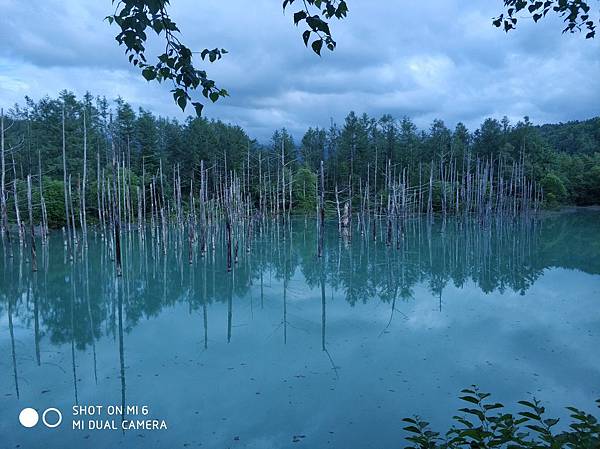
(83, 302)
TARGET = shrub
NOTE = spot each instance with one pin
(554, 189)
(305, 190)
(483, 425)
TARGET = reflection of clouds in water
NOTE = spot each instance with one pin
(264, 391)
(538, 305)
(419, 366)
(541, 343)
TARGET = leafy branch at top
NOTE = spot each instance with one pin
(576, 14)
(175, 64)
(135, 17)
(318, 28)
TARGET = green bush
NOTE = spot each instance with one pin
(483, 425)
(54, 196)
(554, 189)
(305, 192)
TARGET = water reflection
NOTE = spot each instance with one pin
(78, 303)
(81, 319)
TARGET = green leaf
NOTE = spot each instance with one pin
(158, 27)
(470, 399)
(306, 37)
(551, 422)
(299, 16)
(472, 433)
(475, 412)
(182, 102)
(198, 107)
(317, 24)
(528, 404)
(493, 406)
(149, 73)
(529, 415)
(537, 429)
(463, 421)
(317, 45)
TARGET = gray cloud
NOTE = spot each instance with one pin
(422, 59)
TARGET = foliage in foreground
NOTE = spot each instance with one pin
(484, 425)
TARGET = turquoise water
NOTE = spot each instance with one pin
(290, 350)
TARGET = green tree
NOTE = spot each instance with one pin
(146, 141)
(305, 189)
(389, 138)
(488, 139)
(283, 137)
(554, 189)
(439, 140)
(461, 143)
(409, 142)
(312, 149)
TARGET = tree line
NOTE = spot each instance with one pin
(362, 152)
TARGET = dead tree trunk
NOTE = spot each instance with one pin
(66, 192)
(31, 225)
(321, 213)
(3, 182)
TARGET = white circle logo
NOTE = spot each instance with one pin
(28, 417)
(58, 414)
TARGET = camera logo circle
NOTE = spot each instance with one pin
(58, 415)
(29, 417)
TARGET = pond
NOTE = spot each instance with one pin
(292, 350)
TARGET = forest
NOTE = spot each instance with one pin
(361, 153)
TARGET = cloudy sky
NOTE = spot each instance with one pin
(434, 59)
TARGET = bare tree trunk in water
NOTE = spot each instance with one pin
(31, 226)
(3, 174)
(84, 180)
(16, 201)
(321, 212)
(64, 157)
